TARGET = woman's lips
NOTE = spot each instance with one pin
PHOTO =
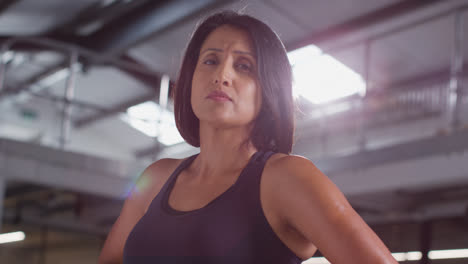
(219, 96)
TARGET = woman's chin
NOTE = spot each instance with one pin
(217, 122)
(222, 122)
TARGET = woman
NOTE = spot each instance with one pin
(243, 198)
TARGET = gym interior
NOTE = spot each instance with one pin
(381, 88)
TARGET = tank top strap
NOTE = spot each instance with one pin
(266, 155)
(254, 172)
(171, 180)
(249, 180)
(181, 167)
(260, 161)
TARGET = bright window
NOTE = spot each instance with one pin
(320, 78)
(148, 118)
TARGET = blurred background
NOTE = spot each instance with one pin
(85, 106)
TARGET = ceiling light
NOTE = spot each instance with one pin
(320, 78)
(410, 256)
(19, 133)
(148, 118)
(54, 78)
(407, 256)
(403, 256)
(7, 56)
(107, 2)
(89, 28)
(448, 254)
(11, 237)
(316, 260)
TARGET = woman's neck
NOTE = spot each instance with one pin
(222, 152)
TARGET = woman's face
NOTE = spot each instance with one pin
(225, 90)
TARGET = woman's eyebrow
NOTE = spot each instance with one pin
(211, 49)
(244, 53)
(235, 51)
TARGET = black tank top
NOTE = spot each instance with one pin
(230, 229)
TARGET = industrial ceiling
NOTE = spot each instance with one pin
(72, 69)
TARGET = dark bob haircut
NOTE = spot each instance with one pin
(274, 126)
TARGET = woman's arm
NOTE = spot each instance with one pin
(316, 208)
(112, 251)
(147, 186)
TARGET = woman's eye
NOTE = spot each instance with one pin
(244, 67)
(209, 62)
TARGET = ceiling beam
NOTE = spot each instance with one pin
(359, 23)
(22, 190)
(126, 64)
(95, 16)
(150, 81)
(380, 35)
(73, 102)
(400, 167)
(56, 224)
(144, 21)
(422, 80)
(438, 145)
(33, 80)
(86, 121)
(115, 38)
(5, 4)
(46, 166)
(347, 120)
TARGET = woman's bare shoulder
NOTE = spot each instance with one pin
(152, 179)
(298, 178)
(281, 162)
(162, 166)
(158, 171)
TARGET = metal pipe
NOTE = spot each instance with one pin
(456, 71)
(362, 125)
(164, 92)
(163, 98)
(69, 94)
(3, 51)
(2, 195)
(425, 239)
(43, 247)
(70, 225)
(402, 28)
(69, 48)
(73, 102)
(82, 52)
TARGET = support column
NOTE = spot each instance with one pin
(455, 94)
(425, 241)
(67, 107)
(362, 124)
(2, 195)
(163, 98)
(3, 51)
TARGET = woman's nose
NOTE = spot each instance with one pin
(223, 75)
(223, 82)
